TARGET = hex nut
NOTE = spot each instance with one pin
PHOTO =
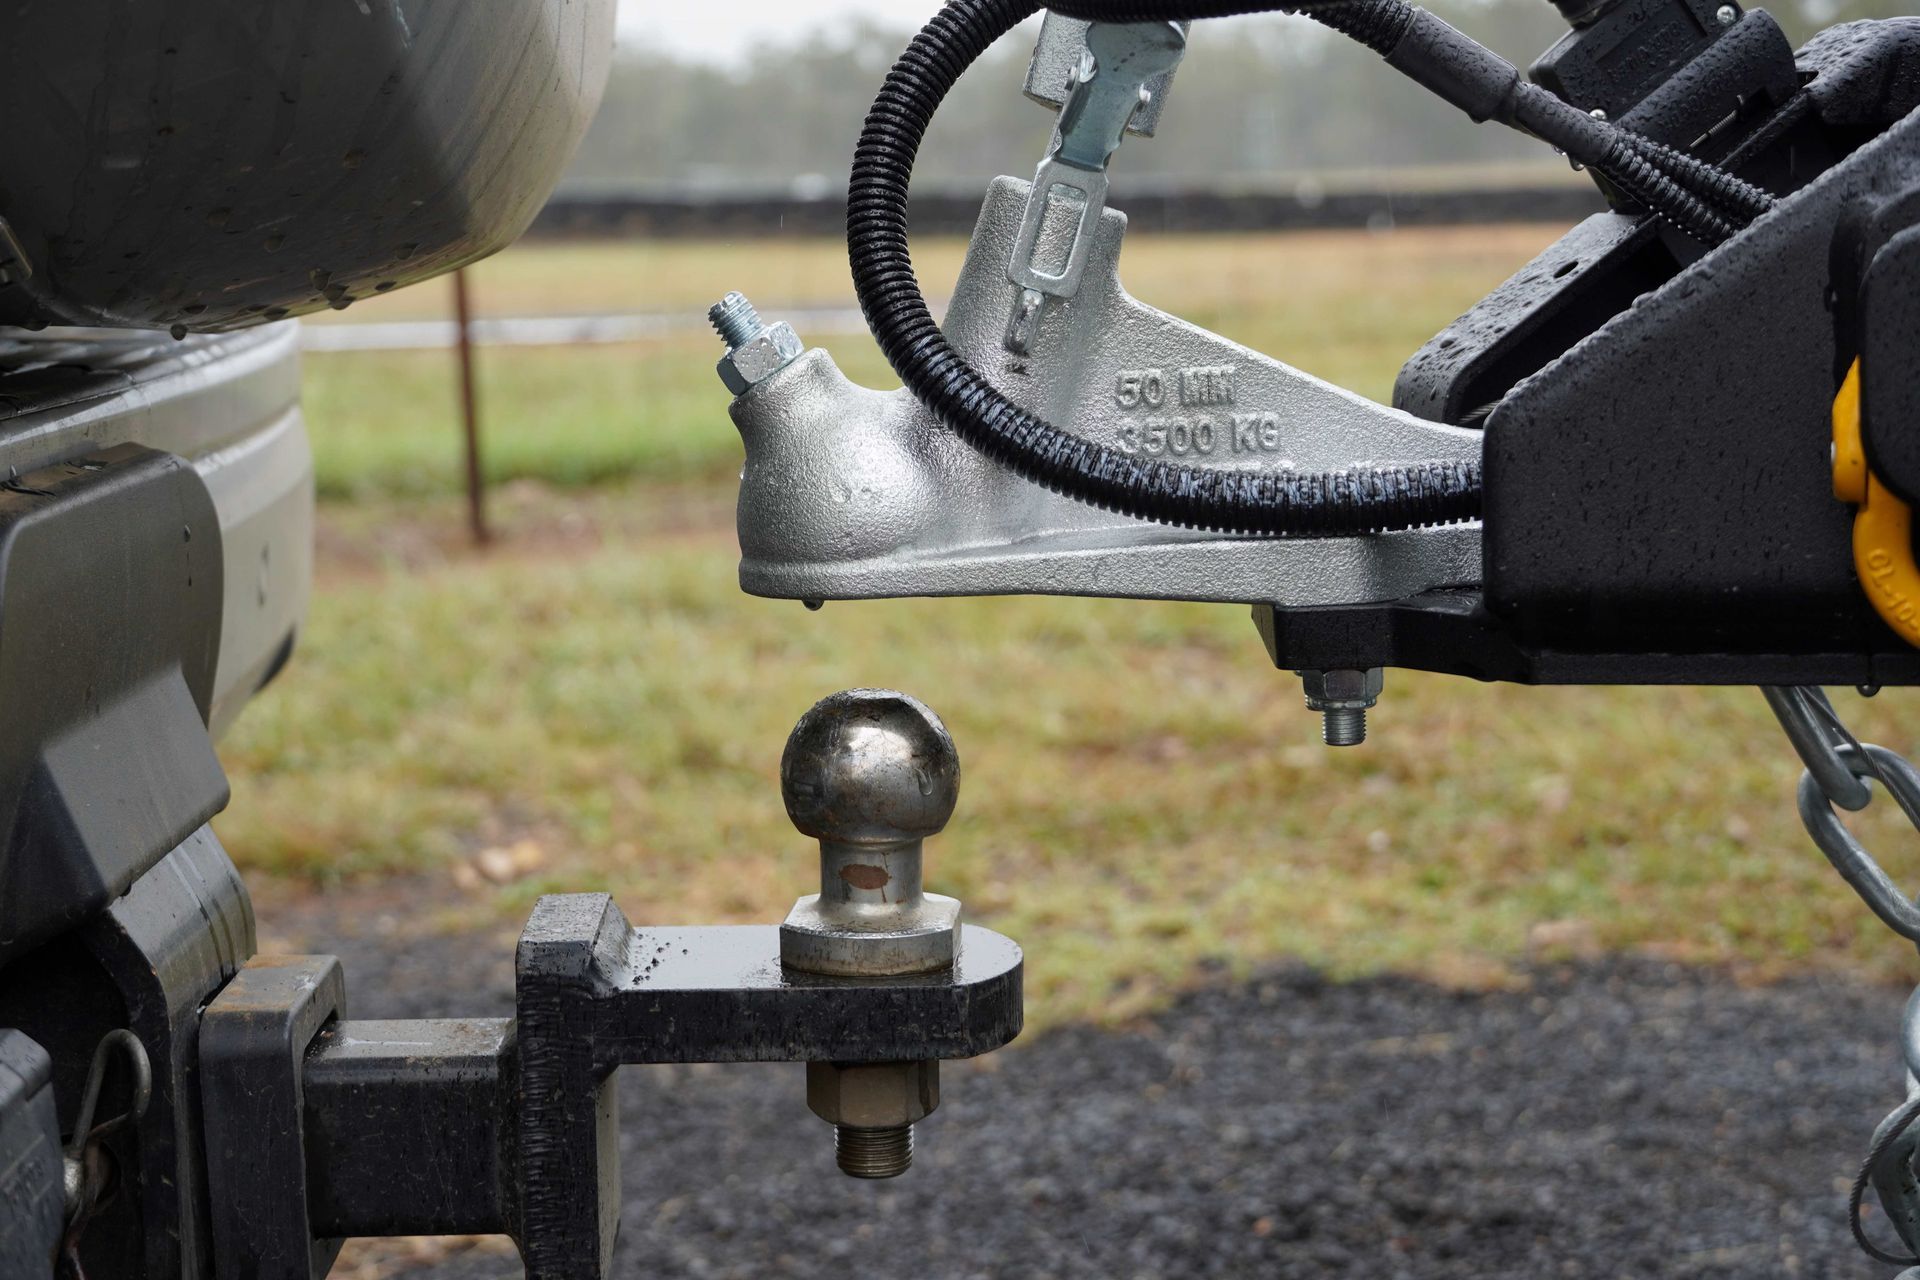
(760, 357)
(873, 1095)
(1340, 690)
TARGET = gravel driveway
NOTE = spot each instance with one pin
(1618, 1119)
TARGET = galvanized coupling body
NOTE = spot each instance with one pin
(870, 774)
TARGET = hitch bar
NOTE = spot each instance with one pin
(509, 1126)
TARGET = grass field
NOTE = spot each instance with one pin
(594, 704)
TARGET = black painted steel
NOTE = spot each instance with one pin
(105, 764)
(409, 1128)
(253, 1043)
(1734, 104)
(1717, 97)
(32, 1203)
(1660, 505)
(1889, 374)
(319, 1128)
(1666, 486)
(148, 963)
(182, 163)
(171, 942)
(1616, 58)
(1574, 286)
(1876, 308)
(1603, 265)
(594, 993)
(1452, 632)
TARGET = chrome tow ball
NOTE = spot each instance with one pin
(871, 773)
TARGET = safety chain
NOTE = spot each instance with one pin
(1840, 770)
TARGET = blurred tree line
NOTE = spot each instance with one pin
(1258, 99)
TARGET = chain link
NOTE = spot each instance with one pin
(1840, 770)
(1849, 857)
(1817, 734)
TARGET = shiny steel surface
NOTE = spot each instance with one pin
(851, 493)
(870, 773)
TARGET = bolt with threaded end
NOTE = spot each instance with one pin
(873, 1107)
(873, 1153)
(1344, 726)
(756, 350)
(735, 320)
(1341, 698)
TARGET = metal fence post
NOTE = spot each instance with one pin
(470, 412)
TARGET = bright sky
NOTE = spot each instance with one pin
(720, 32)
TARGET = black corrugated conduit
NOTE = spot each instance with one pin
(1703, 201)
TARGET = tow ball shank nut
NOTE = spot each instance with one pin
(873, 1095)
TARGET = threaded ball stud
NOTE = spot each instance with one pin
(735, 320)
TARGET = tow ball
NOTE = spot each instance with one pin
(321, 1128)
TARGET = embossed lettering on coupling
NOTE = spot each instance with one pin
(1153, 388)
(1210, 384)
(1186, 435)
(1202, 434)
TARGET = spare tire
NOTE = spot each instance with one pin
(175, 164)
